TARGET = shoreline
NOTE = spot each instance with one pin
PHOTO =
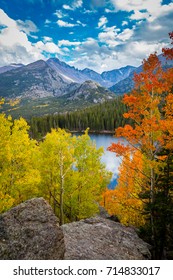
(94, 131)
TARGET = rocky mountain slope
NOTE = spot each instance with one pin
(90, 90)
(48, 87)
(52, 78)
(10, 67)
(35, 80)
(106, 79)
(126, 85)
(52, 86)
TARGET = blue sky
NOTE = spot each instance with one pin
(97, 34)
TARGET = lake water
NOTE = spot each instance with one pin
(111, 161)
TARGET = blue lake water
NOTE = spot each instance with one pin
(111, 161)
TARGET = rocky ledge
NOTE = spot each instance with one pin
(31, 231)
(103, 239)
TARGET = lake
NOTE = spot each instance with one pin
(111, 161)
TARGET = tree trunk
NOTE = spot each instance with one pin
(61, 195)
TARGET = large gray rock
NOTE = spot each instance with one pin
(30, 231)
(103, 239)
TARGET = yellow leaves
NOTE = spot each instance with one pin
(1, 101)
(71, 164)
(19, 178)
(6, 202)
(14, 102)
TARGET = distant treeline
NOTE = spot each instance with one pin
(102, 117)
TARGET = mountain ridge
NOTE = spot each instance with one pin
(73, 75)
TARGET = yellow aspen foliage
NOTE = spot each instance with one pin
(91, 177)
(6, 202)
(56, 160)
(18, 176)
(72, 175)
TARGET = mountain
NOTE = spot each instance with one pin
(94, 76)
(52, 78)
(116, 75)
(127, 84)
(71, 74)
(90, 91)
(68, 73)
(48, 87)
(10, 67)
(35, 80)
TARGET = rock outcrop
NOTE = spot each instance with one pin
(102, 239)
(30, 231)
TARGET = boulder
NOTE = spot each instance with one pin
(99, 238)
(30, 231)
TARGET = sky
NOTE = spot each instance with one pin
(98, 34)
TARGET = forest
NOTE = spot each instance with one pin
(99, 118)
(67, 171)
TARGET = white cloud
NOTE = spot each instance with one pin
(89, 11)
(15, 45)
(125, 35)
(80, 23)
(5, 20)
(124, 23)
(47, 21)
(60, 14)
(109, 36)
(67, 7)
(62, 23)
(68, 43)
(27, 26)
(143, 9)
(137, 15)
(101, 58)
(48, 47)
(102, 22)
(142, 49)
(75, 5)
(133, 5)
(109, 11)
(47, 39)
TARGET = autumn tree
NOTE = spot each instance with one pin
(124, 201)
(152, 131)
(72, 175)
(56, 160)
(18, 176)
(91, 177)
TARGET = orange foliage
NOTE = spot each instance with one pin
(149, 133)
(124, 201)
(168, 52)
(118, 148)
